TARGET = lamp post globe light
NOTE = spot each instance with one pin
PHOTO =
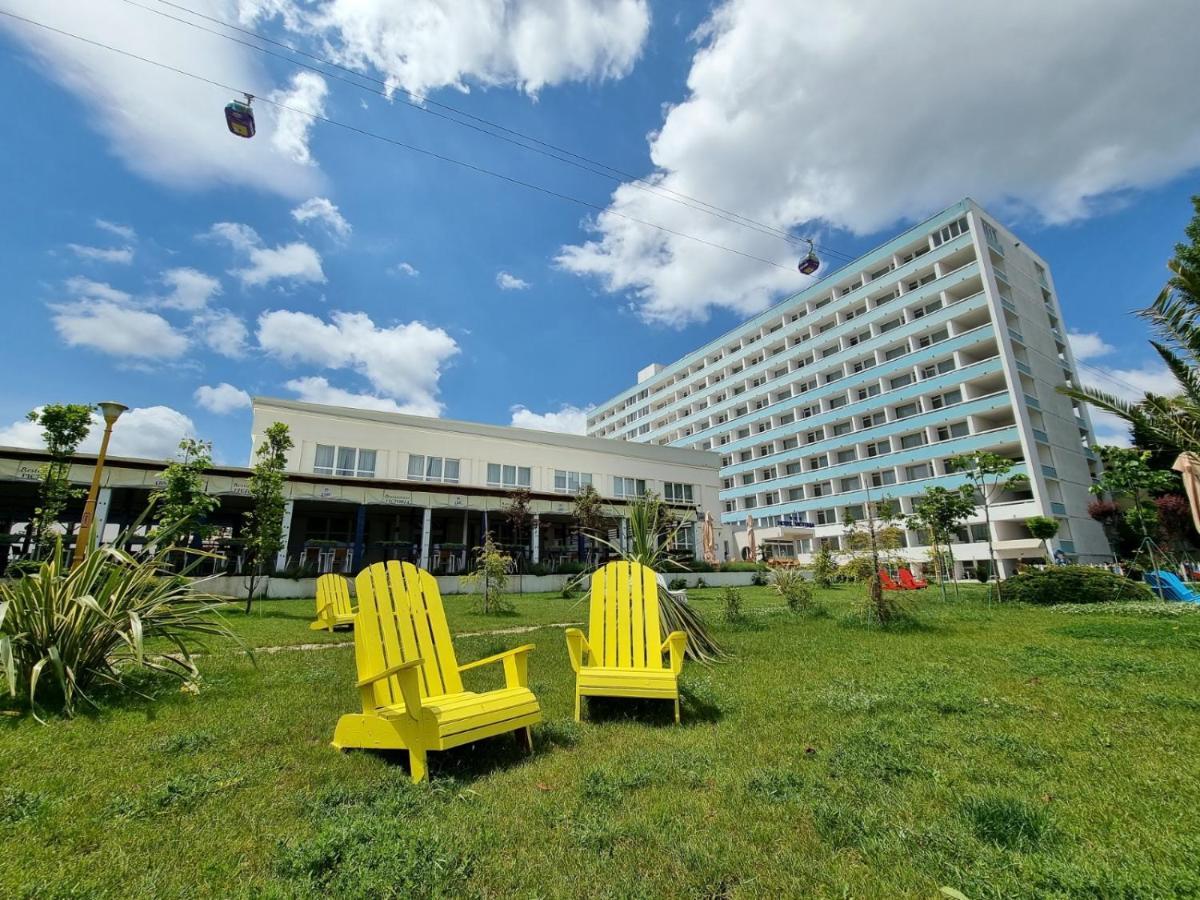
(111, 412)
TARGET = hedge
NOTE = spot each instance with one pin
(1072, 584)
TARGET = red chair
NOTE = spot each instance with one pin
(908, 582)
(886, 580)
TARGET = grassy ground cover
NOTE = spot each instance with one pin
(1003, 751)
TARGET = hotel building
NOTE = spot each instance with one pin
(946, 340)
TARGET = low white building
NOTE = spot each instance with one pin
(385, 485)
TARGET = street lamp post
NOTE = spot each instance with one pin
(111, 412)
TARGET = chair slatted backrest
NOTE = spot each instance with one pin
(624, 624)
(400, 617)
(334, 591)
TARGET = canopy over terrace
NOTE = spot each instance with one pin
(331, 523)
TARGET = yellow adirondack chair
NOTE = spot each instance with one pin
(409, 681)
(334, 607)
(623, 654)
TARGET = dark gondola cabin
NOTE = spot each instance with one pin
(240, 118)
(810, 263)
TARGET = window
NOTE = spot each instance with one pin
(873, 419)
(992, 237)
(951, 231)
(914, 473)
(867, 392)
(794, 468)
(895, 352)
(432, 468)
(818, 462)
(908, 409)
(852, 483)
(790, 443)
(901, 381)
(842, 428)
(837, 402)
(813, 436)
(884, 478)
(825, 517)
(946, 432)
(823, 489)
(351, 461)
(946, 365)
(936, 338)
(571, 482)
(796, 494)
(890, 324)
(508, 476)
(628, 487)
(845, 456)
(947, 399)
(678, 493)
(879, 448)
(916, 439)
(749, 503)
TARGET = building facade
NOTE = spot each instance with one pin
(947, 339)
(436, 485)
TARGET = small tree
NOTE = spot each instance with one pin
(940, 511)
(64, 427)
(264, 521)
(517, 512)
(989, 475)
(181, 506)
(824, 567)
(1127, 474)
(490, 577)
(867, 538)
(1044, 528)
(590, 514)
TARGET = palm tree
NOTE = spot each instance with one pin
(1173, 421)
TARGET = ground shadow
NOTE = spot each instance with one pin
(694, 709)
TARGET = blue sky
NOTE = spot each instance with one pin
(153, 258)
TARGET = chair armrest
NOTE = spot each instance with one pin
(577, 648)
(410, 689)
(390, 671)
(676, 642)
(516, 665)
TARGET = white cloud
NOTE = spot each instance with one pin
(118, 330)
(405, 269)
(316, 389)
(421, 45)
(222, 398)
(1130, 385)
(222, 331)
(96, 290)
(403, 362)
(808, 115)
(296, 107)
(1088, 345)
(124, 232)
(296, 261)
(153, 432)
(191, 289)
(568, 420)
(508, 282)
(164, 126)
(120, 255)
(324, 211)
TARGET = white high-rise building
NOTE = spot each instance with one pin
(947, 339)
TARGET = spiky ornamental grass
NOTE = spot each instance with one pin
(64, 632)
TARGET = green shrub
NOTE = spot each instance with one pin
(732, 606)
(677, 584)
(1072, 584)
(796, 590)
(701, 583)
(700, 565)
(570, 567)
(538, 569)
(743, 565)
(63, 630)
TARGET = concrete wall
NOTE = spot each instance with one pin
(448, 584)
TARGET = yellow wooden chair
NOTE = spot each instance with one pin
(334, 607)
(623, 653)
(409, 681)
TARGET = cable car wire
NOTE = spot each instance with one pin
(412, 147)
(422, 103)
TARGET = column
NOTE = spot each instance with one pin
(360, 536)
(623, 535)
(426, 528)
(536, 540)
(100, 518)
(285, 534)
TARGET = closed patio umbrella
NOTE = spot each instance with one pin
(709, 539)
(751, 539)
(1188, 466)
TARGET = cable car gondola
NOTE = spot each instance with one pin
(811, 262)
(240, 117)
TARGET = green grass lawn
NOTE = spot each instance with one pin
(1002, 751)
